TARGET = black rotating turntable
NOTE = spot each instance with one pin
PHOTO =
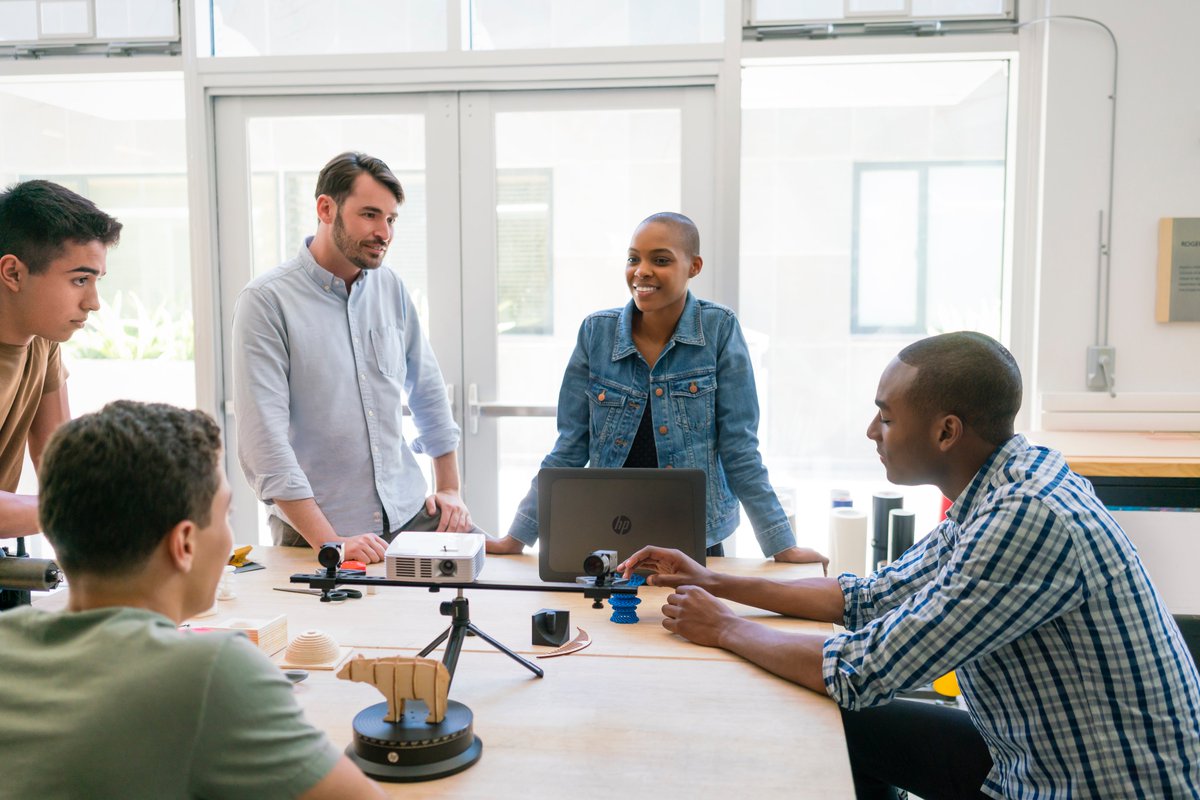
(412, 749)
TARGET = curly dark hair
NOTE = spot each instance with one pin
(113, 483)
(38, 217)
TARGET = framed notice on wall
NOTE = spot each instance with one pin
(1178, 298)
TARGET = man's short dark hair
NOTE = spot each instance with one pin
(113, 483)
(338, 176)
(685, 229)
(969, 375)
(37, 218)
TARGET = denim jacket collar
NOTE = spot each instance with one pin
(688, 330)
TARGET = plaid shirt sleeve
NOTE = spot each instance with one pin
(966, 592)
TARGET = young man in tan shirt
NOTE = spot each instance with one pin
(53, 249)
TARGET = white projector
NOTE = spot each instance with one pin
(439, 557)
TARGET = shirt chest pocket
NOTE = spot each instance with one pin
(606, 405)
(693, 398)
(387, 344)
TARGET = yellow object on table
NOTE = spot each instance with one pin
(947, 685)
(238, 559)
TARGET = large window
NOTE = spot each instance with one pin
(873, 199)
(118, 140)
(40, 24)
(515, 24)
(915, 225)
(287, 27)
(570, 187)
(799, 12)
(524, 272)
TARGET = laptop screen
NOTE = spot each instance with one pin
(588, 509)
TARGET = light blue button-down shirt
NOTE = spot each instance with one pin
(320, 376)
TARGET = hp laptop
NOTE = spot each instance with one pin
(582, 510)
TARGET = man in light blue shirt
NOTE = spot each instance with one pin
(326, 347)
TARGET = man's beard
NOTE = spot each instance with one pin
(351, 249)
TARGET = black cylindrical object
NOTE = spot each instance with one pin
(902, 526)
(881, 504)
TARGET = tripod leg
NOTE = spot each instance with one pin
(429, 648)
(454, 647)
(529, 665)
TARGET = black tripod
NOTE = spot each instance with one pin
(459, 612)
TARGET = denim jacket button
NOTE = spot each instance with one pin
(619, 442)
(658, 392)
(692, 388)
(600, 397)
(669, 466)
(662, 429)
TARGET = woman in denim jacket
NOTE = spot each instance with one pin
(666, 382)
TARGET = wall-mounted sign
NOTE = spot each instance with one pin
(1178, 298)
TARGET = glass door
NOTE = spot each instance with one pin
(269, 151)
(553, 185)
(519, 212)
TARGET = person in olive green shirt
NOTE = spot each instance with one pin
(109, 698)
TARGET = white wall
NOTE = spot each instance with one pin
(1157, 172)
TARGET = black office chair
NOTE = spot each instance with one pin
(1189, 626)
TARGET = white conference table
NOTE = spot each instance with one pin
(640, 711)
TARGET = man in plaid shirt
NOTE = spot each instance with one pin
(1076, 678)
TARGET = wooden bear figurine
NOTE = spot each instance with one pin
(402, 678)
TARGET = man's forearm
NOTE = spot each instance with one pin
(309, 521)
(18, 515)
(818, 599)
(445, 472)
(796, 657)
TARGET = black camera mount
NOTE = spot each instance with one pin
(597, 589)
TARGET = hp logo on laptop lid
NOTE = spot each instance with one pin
(621, 525)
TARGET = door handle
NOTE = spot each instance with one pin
(476, 409)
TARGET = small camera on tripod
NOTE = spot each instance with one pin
(600, 569)
(600, 563)
(330, 557)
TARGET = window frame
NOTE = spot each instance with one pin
(921, 292)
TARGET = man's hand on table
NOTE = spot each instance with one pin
(671, 568)
(367, 548)
(697, 616)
